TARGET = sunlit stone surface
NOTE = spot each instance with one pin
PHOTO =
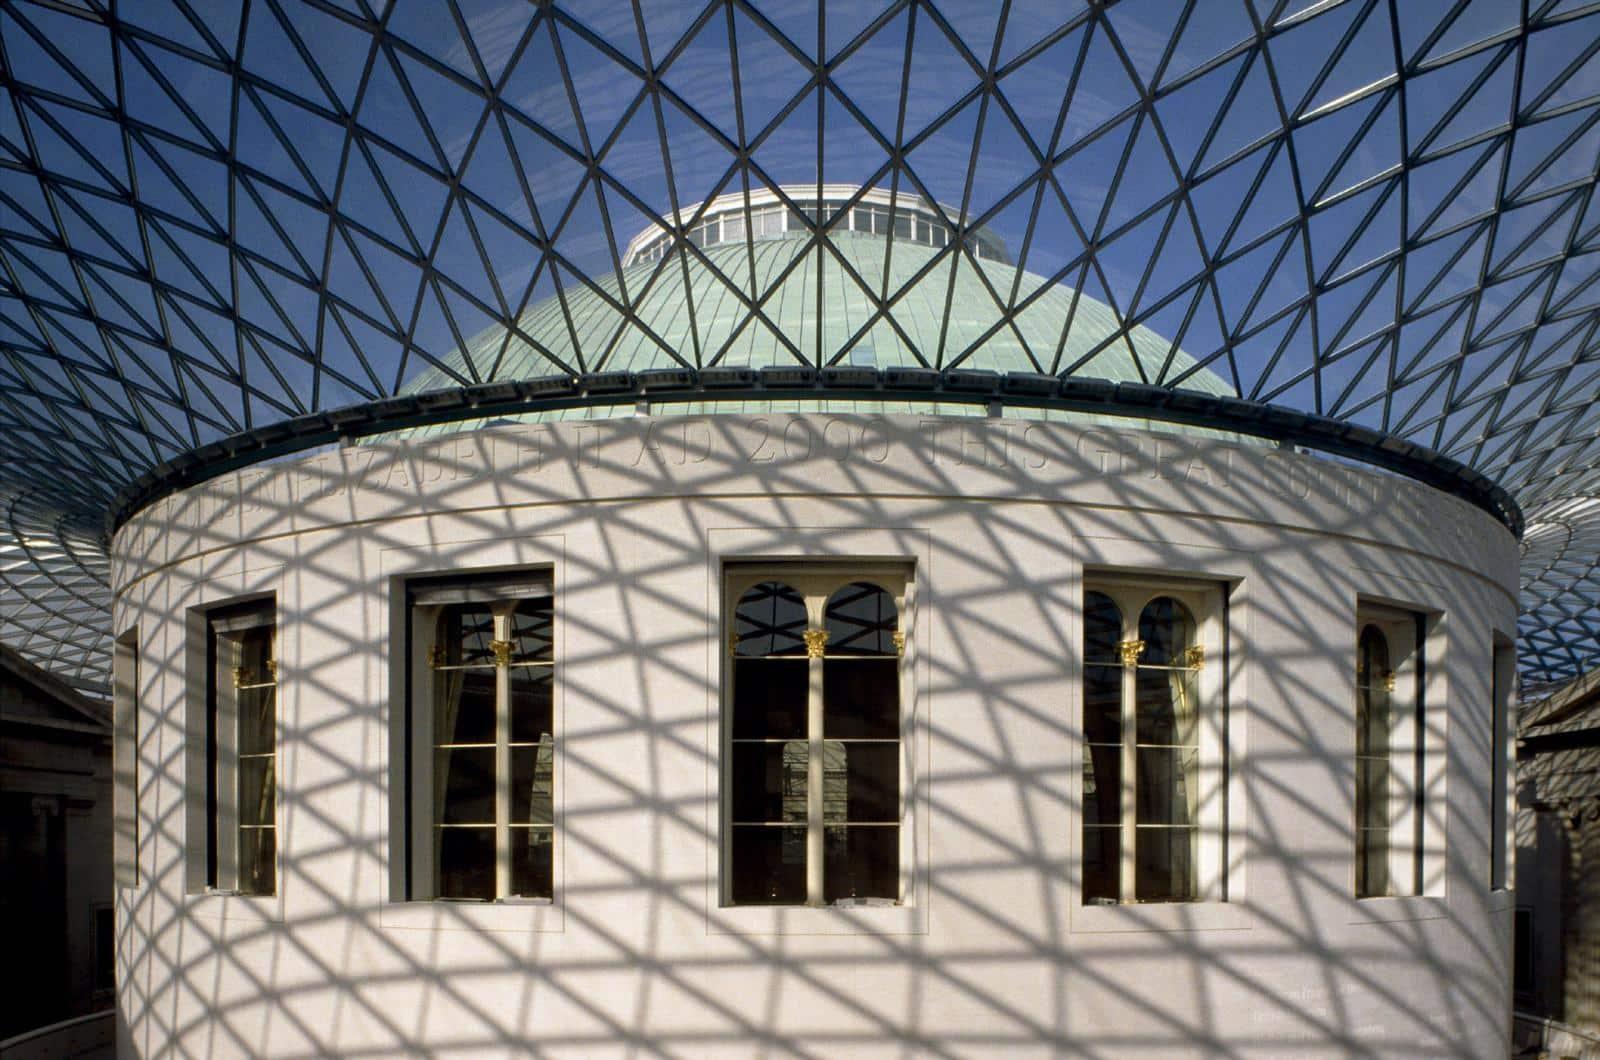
(991, 949)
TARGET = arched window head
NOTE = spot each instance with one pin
(770, 620)
(861, 619)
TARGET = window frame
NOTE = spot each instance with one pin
(859, 549)
(1405, 633)
(1503, 691)
(1401, 593)
(502, 591)
(228, 623)
(389, 664)
(1155, 559)
(125, 699)
(1207, 602)
(816, 583)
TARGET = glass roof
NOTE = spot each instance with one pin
(214, 217)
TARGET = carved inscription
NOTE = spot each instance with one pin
(1012, 451)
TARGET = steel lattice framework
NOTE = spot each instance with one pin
(216, 217)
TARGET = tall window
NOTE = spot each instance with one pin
(813, 803)
(481, 806)
(1500, 692)
(241, 749)
(1153, 783)
(1389, 752)
(125, 757)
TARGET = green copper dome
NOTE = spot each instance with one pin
(822, 306)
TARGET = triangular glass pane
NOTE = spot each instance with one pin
(496, 28)
(1434, 272)
(770, 76)
(163, 18)
(1207, 33)
(453, 111)
(1378, 151)
(1365, 61)
(430, 27)
(1543, 226)
(1104, 90)
(553, 175)
(362, 199)
(319, 142)
(1550, 53)
(604, 89)
(1145, 28)
(80, 43)
(1550, 153)
(260, 148)
(938, 78)
(1431, 98)
(269, 52)
(386, 113)
(702, 77)
(1187, 113)
(1481, 20)
(1037, 89)
(339, 49)
(91, 138)
(1146, 178)
(1246, 121)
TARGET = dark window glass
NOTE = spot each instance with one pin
(861, 619)
(533, 784)
(861, 862)
(770, 620)
(1373, 719)
(1165, 864)
(467, 632)
(258, 852)
(769, 781)
(533, 630)
(465, 781)
(466, 863)
(531, 864)
(258, 719)
(1166, 791)
(861, 699)
(532, 712)
(769, 698)
(466, 707)
(105, 949)
(1102, 785)
(769, 865)
(1101, 868)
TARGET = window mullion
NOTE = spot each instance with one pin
(1127, 860)
(502, 752)
(816, 845)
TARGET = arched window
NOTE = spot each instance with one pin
(1149, 721)
(1396, 848)
(813, 798)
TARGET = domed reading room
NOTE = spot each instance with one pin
(776, 529)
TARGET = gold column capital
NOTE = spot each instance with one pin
(816, 642)
(1130, 651)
